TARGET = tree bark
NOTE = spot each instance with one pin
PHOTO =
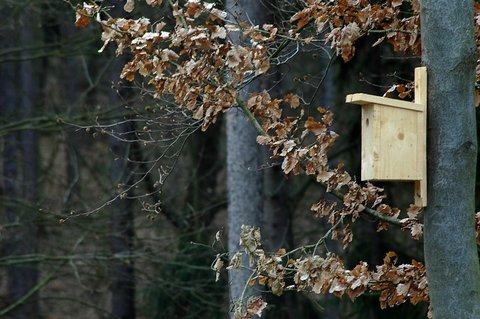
(244, 176)
(122, 218)
(449, 53)
(123, 274)
(277, 212)
(20, 89)
(245, 200)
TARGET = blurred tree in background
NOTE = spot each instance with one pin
(115, 202)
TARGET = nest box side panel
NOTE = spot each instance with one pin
(393, 155)
(421, 98)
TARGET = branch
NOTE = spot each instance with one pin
(340, 195)
(372, 212)
(251, 117)
(138, 157)
(25, 297)
(53, 122)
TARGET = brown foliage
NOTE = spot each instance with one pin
(194, 65)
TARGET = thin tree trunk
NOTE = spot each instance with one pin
(245, 200)
(451, 258)
(277, 214)
(277, 220)
(201, 191)
(71, 95)
(122, 218)
(30, 158)
(123, 274)
(20, 173)
(277, 211)
(244, 176)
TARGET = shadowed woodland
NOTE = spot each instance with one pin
(114, 202)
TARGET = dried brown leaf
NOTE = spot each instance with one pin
(255, 306)
(154, 3)
(129, 6)
(292, 99)
(81, 20)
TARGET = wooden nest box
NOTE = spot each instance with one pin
(394, 137)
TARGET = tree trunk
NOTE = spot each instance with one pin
(277, 212)
(449, 53)
(277, 209)
(123, 275)
(20, 173)
(245, 200)
(244, 157)
(122, 218)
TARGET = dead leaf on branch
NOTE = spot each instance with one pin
(194, 48)
(129, 6)
(255, 306)
(315, 127)
(218, 265)
(235, 261)
(154, 3)
(218, 32)
(81, 20)
(397, 3)
(292, 99)
(250, 239)
(416, 231)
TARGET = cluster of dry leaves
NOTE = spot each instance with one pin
(304, 149)
(345, 21)
(394, 283)
(192, 63)
(196, 65)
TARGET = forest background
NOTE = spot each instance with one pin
(79, 242)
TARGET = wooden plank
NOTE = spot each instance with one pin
(421, 99)
(394, 141)
(389, 144)
(362, 98)
(369, 153)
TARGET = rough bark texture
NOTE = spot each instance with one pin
(244, 157)
(451, 257)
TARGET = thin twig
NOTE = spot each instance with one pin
(340, 195)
